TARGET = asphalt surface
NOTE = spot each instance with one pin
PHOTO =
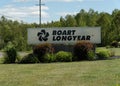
(115, 57)
(20, 53)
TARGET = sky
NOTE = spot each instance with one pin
(51, 10)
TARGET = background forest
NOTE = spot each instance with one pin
(15, 32)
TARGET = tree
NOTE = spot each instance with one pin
(70, 21)
(81, 18)
(104, 22)
(116, 25)
(16, 32)
(62, 22)
(92, 18)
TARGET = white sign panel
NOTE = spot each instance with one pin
(64, 35)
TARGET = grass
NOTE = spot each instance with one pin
(115, 50)
(86, 73)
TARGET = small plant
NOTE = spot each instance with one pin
(62, 56)
(115, 44)
(103, 55)
(91, 55)
(42, 49)
(48, 58)
(81, 50)
(111, 53)
(30, 58)
(105, 52)
(11, 54)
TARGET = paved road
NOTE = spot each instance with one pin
(115, 57)
(20, 53)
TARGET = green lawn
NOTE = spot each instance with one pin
(116, 50)
(86, 73)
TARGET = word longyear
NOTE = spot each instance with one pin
(71, 38)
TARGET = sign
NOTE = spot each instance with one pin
(64, 35)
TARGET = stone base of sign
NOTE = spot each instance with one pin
(62, 47)
(67, 48)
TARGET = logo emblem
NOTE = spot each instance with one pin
(43, 35)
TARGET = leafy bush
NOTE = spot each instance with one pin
(111, 53)
(91, 55)
(11, 54)
(103, 55)
(114, 44)
(81, 50)
(62, 56)
(30, 58)
(42, 49)
(48, 58)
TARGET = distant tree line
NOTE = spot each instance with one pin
(109, 23)
(16, 32)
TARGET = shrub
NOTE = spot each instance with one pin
(81, 50)
(30, 58)
(42, 49)
(103, 55)
(108, 51)
(11, 54)
(111, 53)
(114, 44)
(91, 55)
(48, 58)
(62, 56)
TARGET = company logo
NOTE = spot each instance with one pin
(43, 35)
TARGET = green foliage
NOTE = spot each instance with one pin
(81, 18)
(16, 32)
(109, 51)
(81, 50)
(114, 44)
(48, 58)
(18, 58)
(91, 55)
(104, 21)
(63, 56)
(103, 55)
(30, 58)
(70, 21)
(11, 54)
(42, 49)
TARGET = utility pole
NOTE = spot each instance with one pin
(40, 12)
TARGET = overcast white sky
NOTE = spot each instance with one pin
(28, 11)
